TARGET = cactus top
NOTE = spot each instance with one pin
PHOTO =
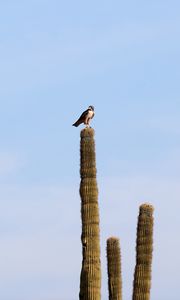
(88, 155)
(146, 208)
(113, 241)
(87, 132)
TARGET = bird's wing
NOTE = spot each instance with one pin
(81, 118)
(83, 115)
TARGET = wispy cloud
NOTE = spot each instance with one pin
(9, 163)
(37, 237)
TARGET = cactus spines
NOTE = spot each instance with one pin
(144, 249)
(114, 269)
(90, 279)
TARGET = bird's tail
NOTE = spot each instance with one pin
(77, 123)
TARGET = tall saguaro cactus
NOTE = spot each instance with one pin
(144, 248)
(90, 280)
(114, 269)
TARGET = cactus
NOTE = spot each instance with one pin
(90, 279)
(114, 269)
(144, 248)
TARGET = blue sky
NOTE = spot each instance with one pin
(57, 58)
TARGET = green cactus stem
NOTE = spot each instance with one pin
(144, 249)
(90, 279)
(114, 269)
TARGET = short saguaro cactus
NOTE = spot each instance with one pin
(114, 269)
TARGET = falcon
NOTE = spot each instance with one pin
(86, 116)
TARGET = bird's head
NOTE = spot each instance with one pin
(91, 107)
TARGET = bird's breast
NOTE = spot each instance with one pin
(90, 114)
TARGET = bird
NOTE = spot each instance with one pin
(85, 118)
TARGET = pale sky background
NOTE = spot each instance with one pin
(56, 58)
